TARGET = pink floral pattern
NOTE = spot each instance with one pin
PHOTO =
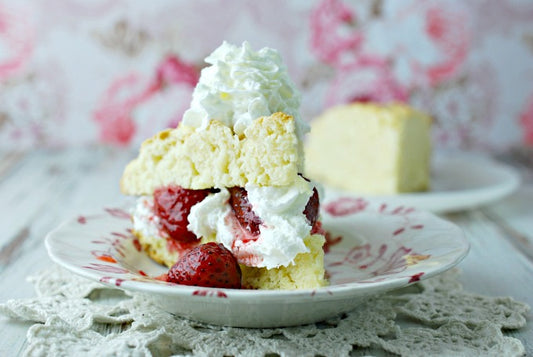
(17, 35)
(374, 243)
(128, 72)
(447, 29)
(526, 119)
(115, 114)
(206, 292)
(346, 206)
(329, 40)
(374, 261)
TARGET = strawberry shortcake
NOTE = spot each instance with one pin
(231, 173)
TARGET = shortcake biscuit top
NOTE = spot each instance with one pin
(267, 154)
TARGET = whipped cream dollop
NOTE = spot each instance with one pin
(144, 219)
(241, 85)
(282, 233)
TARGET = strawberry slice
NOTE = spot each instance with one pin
(209, 265)
(243, 210)
(251, 222)
(173, 204)
(312, 208)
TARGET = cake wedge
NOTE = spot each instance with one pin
(231, 173)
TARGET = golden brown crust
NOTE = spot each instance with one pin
(156, 248)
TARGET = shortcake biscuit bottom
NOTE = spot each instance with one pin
(307, 272)
(158, 248)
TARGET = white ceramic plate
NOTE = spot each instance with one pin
(372, 249)
(458, 182)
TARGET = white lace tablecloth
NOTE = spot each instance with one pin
(74, 316)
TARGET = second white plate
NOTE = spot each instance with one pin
(458, 182)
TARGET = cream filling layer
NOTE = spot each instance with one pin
(282, 232)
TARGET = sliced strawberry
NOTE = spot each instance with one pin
(210, 265)
(251, 222)
(312, 208)
(172, 205)
(243, 210)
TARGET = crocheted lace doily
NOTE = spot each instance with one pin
(75, 316)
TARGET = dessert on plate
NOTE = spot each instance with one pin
(371, 148)
(231, 173)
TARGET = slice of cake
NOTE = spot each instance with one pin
(231, 173)
(371, 148)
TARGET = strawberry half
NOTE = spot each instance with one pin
(173, 204)
(209, 265)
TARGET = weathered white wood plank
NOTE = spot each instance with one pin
(29, 191)
(54, 186)
(79, 180)
(13, 337)
(8, 160)
(66, 184)
(495, 267)
(515, 216)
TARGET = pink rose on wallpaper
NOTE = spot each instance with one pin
(33, 107)
(71, 14)
(114, 115)
(526, 120)
(502, 17)
(464, 109)
(358, 77)
(447, 29)
(16, 36)
(369, 79)
(333, 36)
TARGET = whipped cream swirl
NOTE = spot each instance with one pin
(242, 85)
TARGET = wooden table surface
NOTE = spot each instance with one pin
(40, 189)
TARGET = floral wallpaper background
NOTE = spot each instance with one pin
(76, 72)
